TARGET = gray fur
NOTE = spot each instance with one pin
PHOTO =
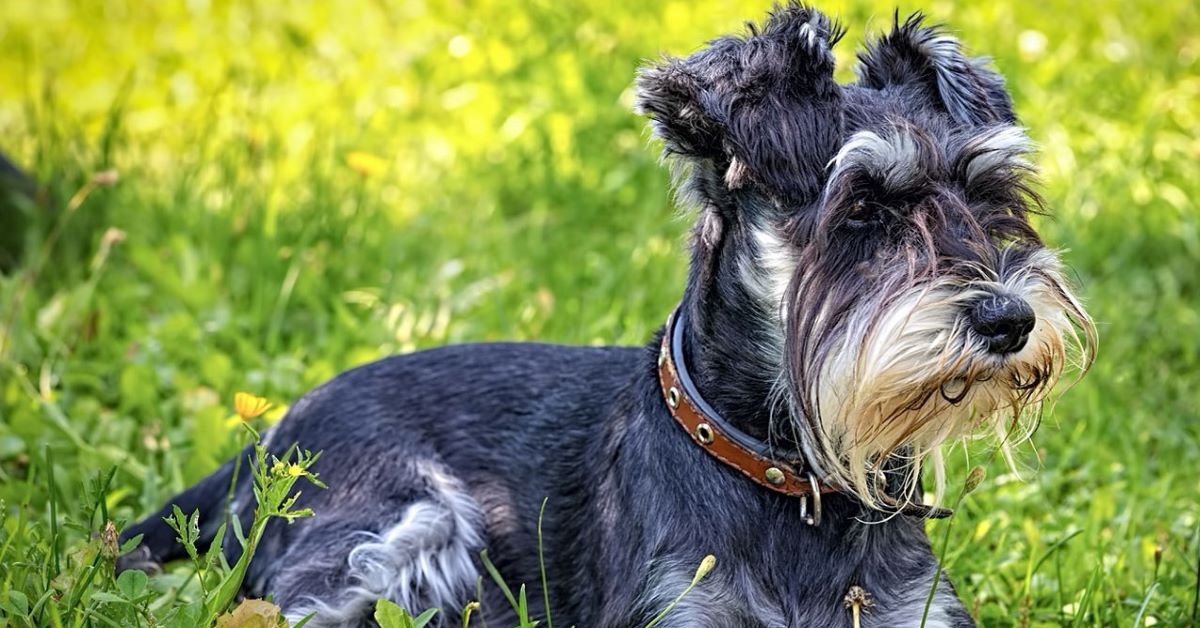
(424, 559)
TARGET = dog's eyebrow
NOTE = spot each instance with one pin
(897, 157)
(998, 148)
(894, 157)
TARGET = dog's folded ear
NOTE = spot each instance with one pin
(763, 107)
(914, 54)
(680, 104)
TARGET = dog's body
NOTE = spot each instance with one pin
(864, 286)
(468, 440)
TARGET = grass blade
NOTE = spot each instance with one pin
(496, 577)
(542, 564)
(1137, 622)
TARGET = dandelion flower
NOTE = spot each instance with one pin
(249, 406)
(366, 164)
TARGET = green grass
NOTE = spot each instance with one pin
(250, 245)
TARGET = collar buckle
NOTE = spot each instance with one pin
(810, 505)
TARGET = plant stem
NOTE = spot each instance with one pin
(542, 564)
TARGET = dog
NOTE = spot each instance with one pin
(865, 285)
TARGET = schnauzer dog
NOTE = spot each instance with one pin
(865, 285)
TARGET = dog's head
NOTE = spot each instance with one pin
(882, 228)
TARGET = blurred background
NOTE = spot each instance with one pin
(211, 196)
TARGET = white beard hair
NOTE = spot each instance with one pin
(874, 397)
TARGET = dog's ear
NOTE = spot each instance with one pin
(679, 103)
(763, 108)
(926, 57)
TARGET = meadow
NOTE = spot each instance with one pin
(253, 196)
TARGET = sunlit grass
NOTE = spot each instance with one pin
(306, 186)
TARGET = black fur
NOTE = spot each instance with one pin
(963, 87)
(768, 99)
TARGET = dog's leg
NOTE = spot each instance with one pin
(208, 496)
(341, 566)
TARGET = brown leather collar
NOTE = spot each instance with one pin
(752, 457)
(723, 441)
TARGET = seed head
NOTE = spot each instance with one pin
(706, 565)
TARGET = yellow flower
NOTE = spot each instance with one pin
(295, 470)
(278, 468)
(249, 406)
(366, 164)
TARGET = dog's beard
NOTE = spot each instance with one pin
(885, 384)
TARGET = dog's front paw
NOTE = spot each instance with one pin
(139, 559)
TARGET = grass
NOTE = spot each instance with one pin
(306, 186)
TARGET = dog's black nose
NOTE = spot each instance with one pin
(1003, 321)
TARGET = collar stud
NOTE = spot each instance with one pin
(774, 475)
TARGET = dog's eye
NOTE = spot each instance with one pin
(861, 214)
